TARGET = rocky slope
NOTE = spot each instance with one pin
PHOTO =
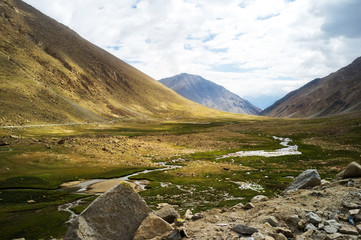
(48, 73)
(209, 94)
(339, 92)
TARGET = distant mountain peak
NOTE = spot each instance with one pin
(208, 93)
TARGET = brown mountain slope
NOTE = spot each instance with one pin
(49, 74)
(339, 92)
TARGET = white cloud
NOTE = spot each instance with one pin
(252, 47)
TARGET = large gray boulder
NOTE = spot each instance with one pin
(307, 179)
(116, 214)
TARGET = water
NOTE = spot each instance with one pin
(287, 150)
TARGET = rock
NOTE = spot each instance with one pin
(353, 170)
(30, 201)
(294, 219)
(237, 206)
(301, 224)
(257, 236)
(272, 221)
(268, 238)
(348, 229)
(332, 226)
(306, 235)
(120, 209)
(333, 215)
(358, 228)
(278, 236)
(188, 214)
(249, 206)
(320, 226)
(2, 143)
(168, 213)
(197, 216)
(151, 227)
(349, 205)
(310, 226)
(307, 179)
(334, 236)
(174, 235)
(285, 231)
(354, 211)
(259, 198)
(243, 229)
(313, 218)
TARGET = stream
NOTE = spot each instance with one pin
(84, 186)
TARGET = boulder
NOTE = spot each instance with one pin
(244, 230)
(272, 221)
(348, 229)
(116, 214)
(353, 170)
(151, 227)
(307, 179)
(168, 213)
(259, 198)
(313, 218)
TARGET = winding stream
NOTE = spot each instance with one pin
(287, 150)
(82, 187)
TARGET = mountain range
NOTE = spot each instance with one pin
(209, 94)
(339, 92)
(49, 74)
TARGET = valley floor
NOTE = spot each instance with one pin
(35, 161)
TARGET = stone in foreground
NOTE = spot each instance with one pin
(244, 230)
(168, 213)
(116, 214)
(307, 179)
(152, 227)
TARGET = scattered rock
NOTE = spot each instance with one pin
(301, 224)
(120, 209)
(354, 211)
(313, 218)
(306, 235)
(179, 222)
(188, 215)
(259, 198)
(307, 179)
(272, 221)
(30, 201)
(168, 213)
(249, 206)
(332, 226)
(278, 236)
(257, 236)
(334, 236)
(244, 230)
(197, 216)
(61, 141)
(350, 205)
(2, 143)
(348, 229)
(310, 226)
(286, 232)
(358, 227)
(14, 137)
(351, 171)
(174, 235)
(151, 227)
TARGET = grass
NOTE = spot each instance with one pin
(35, 165)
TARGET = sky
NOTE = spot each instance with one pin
(258, 49)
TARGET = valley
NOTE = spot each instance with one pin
(35, 161)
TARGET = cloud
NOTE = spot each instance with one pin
(252, 47)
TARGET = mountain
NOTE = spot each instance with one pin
(209, 94)
(339, 92)
(49, 74)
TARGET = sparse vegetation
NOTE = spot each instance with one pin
(43, 158)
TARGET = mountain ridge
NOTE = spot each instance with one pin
(339, 92)
(50, 74)
(208, 93)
